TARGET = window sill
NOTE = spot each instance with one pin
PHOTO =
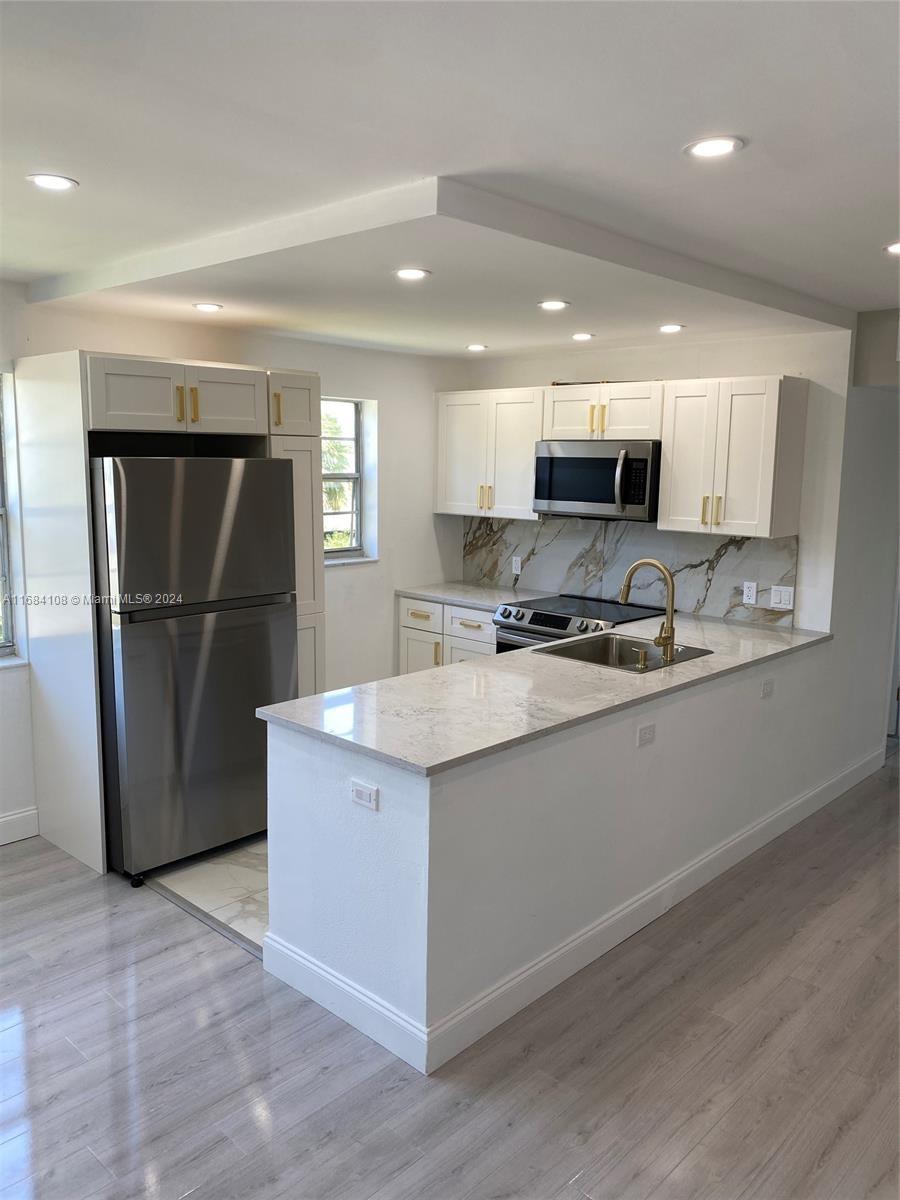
(353, 561)
(12, 660)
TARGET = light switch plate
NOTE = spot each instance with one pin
(749, 594)
(782, 598)
(365, 794)
(646, 735)
(768, 687)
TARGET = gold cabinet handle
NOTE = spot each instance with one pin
(480, 503)
(179, 404)
(490, 495)
(195, 405)
(602, 408)
(717, 509)
(591, 409)
(704, 507)
(279, 415)
(437, 654)
(419, 615)
(470, 624)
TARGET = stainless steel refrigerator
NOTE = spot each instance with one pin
(195, 556)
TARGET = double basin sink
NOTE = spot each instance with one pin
(621, 652)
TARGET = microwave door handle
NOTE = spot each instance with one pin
(623, 454)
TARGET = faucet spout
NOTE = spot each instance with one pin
(666, 636)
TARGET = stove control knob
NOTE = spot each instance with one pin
(582, 625)
(596, 627)
(519, 614)
(505, 613)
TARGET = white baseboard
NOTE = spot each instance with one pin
(15, 826)
(426, 1048)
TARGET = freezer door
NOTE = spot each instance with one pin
(189, 769)
(200, 529)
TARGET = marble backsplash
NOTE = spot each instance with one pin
(590, 558)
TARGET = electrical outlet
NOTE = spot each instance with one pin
(517, 565)
(782, 598)
(749, 593)
(768, 688)
(646, 735)
(364, 794)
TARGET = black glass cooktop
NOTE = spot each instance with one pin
(594, 609)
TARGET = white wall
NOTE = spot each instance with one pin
(18, 814)
(823, 358)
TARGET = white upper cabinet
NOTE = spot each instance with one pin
(514, 426)
(630, 410)
(305, 456)
(571, 412)
(226, 400)
(733, 456)
(129, 393)
(485, 455)
(461, 453)
(295, 406)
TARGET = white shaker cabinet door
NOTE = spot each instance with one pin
(305, 456)
(571, 412)
(226, 400)
(462, 649)
(419, 650)
(630, 410)
(688, 455)
(311, 655)
(131, 393)
(514, 426)
(295, 403)
(746, 435)
(462, 453)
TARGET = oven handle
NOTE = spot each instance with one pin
(620, 463)
(521, 639)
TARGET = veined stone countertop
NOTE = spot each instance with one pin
(471, 595)
(433, 720)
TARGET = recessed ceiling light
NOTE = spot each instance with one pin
(476, 347)
(207, 306)
(892, 248)
(671, 328)
(411, 274)
(554, 305)
(581, 337)
(53, 183)
(715, 147)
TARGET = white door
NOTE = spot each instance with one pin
(572, 411)
(688, 455)
(419, 650)
(131, 393)
(227, 400)
(305, 455)
(461, 453)
(295, 403)
(630, 410)
(461, 649)
(746, 436)
(311, 655)
(514, 426)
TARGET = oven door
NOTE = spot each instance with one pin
(519, 639)
(614, 480)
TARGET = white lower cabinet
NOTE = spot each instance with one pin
(311, 655)
(430, 634)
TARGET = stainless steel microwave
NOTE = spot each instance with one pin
(615, 481)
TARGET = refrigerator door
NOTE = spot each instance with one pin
(202, 530)
(189, 768)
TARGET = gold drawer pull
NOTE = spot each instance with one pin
(179, 407)
(195, 405)
(602, 408)
(419, 615)
(437, 654)
(470, 624)
(480, 503)
(717, 509)
(591, 408)
(704, 507)
(279, 415)
(490, 495)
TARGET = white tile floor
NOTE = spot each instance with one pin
(230, 885)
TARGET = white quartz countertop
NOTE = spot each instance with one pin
(470, 595)
(433, 720)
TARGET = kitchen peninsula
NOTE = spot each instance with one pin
(445, 847)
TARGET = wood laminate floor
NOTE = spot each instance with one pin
(742, 1047)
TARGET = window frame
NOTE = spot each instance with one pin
(355, 477)
(8, 637)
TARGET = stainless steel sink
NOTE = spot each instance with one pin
(620, 652)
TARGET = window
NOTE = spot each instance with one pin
(6, 627)
(342, 477)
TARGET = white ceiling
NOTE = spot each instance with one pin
(485, 287)
(186, 119)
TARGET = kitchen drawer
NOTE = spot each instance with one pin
(473, 624)
(419, 614)
(457, 649)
